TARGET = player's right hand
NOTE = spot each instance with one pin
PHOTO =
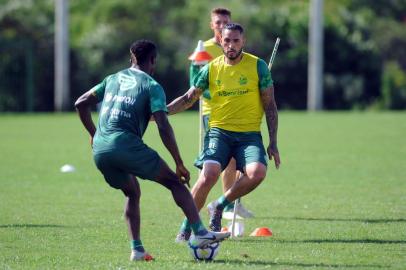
(183, 174)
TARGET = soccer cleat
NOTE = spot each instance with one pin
(210, 237)
(183, 236)
(241, 212)
(140, 256)
(215, 220)
(210, 208)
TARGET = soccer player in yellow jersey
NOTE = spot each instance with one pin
(241, 91)
(218, 18)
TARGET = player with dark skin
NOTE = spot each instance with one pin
(129, 98)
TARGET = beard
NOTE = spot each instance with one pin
(235, 57)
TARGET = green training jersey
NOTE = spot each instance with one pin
(129, 99)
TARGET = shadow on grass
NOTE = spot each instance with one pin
(33, 226)
(263, 262)
(340, 241)
(364, 220)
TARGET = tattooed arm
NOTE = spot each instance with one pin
(271, 114)
(184, 102)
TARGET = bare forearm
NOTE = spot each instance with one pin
(184, 102)
(168, 138)
(271, 115)
(85, 116)
(178, 105)
(83, 106)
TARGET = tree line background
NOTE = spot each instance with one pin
(364, 47)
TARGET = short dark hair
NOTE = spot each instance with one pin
(234, 26)
(221, 11)
(143, 50)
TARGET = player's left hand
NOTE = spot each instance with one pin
(183, 174)
(274, 153)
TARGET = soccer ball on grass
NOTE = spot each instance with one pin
(204, 254)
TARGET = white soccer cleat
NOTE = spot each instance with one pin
(140, 256)
(241, 212)
(202, 241)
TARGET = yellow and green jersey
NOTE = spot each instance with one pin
(234, 92)
(215, 50)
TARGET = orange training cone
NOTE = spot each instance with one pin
(224, 229)
(200, 56)
(262, 231)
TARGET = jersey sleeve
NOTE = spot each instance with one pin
(202, 78)
(264, 75)
(99, 89)
(157, 97)
(193, 71)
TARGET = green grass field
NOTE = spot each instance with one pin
(338, 200)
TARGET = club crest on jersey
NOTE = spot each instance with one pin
(126, 82)
(243, 80)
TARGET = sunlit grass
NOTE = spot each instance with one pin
(338, 200)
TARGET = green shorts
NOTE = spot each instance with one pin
(221, 145)
(205, 120)
(118, 165)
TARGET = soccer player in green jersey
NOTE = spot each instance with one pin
(129, 98)
(241, 91)
(218, 18)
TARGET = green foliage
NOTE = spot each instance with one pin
(337, 202)
(394, 9)
(26, 46)
(388, 33)
(360, 38)
(107, 33)
(394, 87)
(352, 62)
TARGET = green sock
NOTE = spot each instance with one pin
(198, 228)
(137, 245)
(229, 207)
(222, 202)
(185, 227)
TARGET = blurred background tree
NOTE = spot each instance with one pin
(365, 41)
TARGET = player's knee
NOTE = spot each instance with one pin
(168, 179)
(257, 175)
(209, 178)
(173, 183)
